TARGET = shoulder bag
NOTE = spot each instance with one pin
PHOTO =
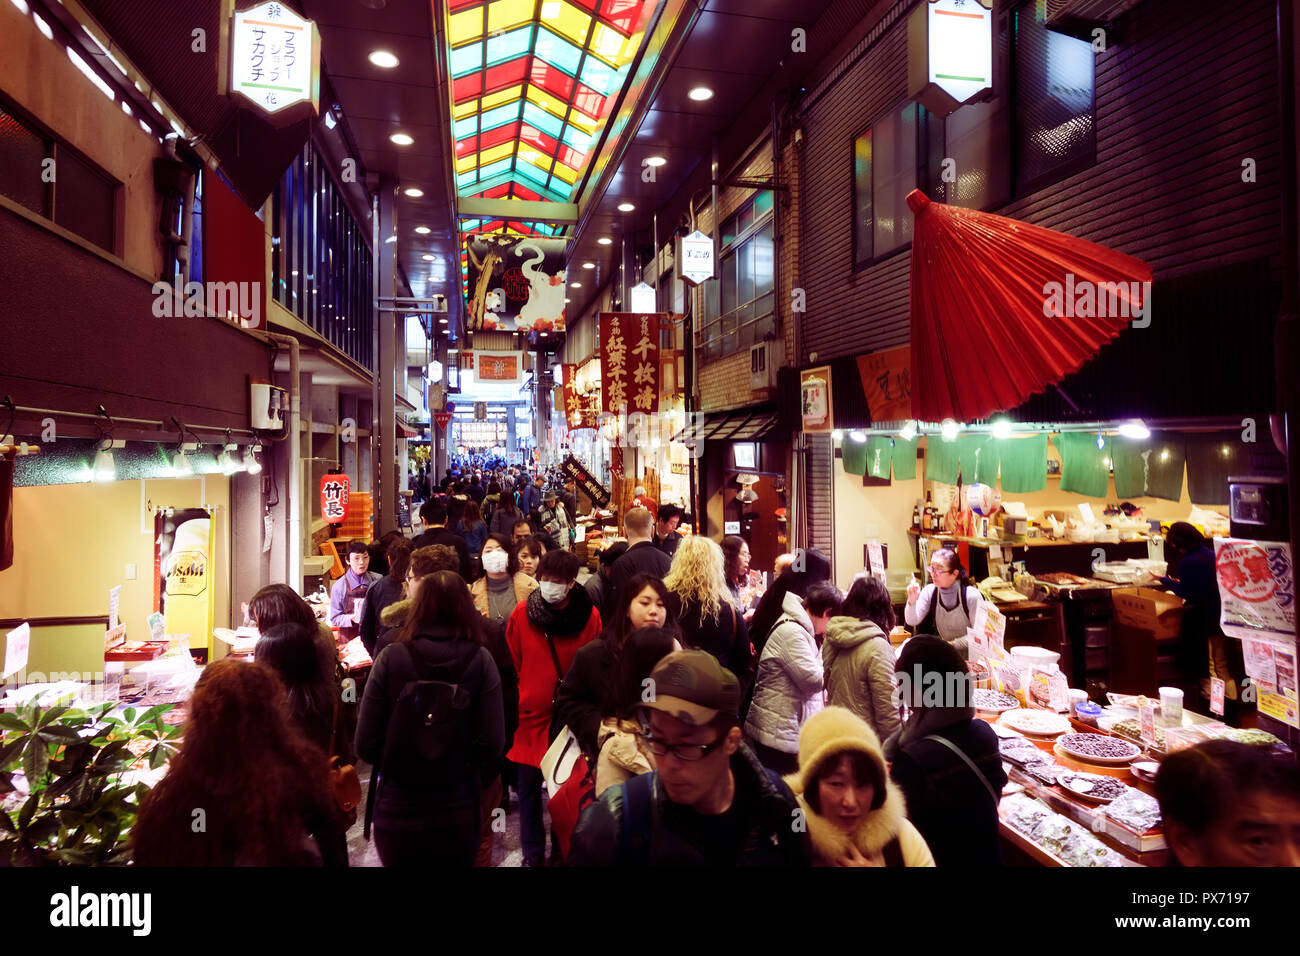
(344, 781)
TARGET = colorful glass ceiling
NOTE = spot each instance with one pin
(531, 82)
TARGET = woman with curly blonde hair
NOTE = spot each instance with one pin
(706, 612)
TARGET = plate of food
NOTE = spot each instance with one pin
(992, 701)
(1092, 787)
(1132, 729)
(1098, 748)
(1144, 770)
(1036, 723)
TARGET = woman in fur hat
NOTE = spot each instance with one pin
(855, 814)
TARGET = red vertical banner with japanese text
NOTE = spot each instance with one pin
(629, 362)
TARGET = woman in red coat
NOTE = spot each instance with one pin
(544, 633)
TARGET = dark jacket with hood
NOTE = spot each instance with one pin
(435, 654)
(767, 838)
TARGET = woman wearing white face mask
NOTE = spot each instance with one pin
(503, 585)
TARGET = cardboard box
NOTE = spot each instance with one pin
(1150, 610)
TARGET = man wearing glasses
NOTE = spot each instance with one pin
(709, 802)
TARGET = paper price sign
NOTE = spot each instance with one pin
(1147, 721)
(17, 643)
(1217, 688)
(876, 555)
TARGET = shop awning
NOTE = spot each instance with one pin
(409, 431)
(746, 424)
(1001, 309)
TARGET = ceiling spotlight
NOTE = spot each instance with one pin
(908, 432)
(251, 464)
(605, 241)
(626, 207)
(1002, 428)
(104, 468)
(401, 139)
(443, 320)
(589, 265)
(426, 257)
(423, 230)
(330, 121)
(858, 435)
(383, 59)
(575, 285)
(949, 430)
(1135, 429)
(413, 192)
(700, 94)
(181, 465)
(655, 161)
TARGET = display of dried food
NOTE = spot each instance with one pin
(1016, 743)
(1045, 770)
(992, 701)
(1041, 723)
(1133, 729)
(1135, 809)
(1093, 786)
(1062, 579)
(1256, 738)
(1098, 747)
(1063, 838)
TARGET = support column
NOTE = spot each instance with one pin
(386, 368)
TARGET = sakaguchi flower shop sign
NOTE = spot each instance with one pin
(274, 57)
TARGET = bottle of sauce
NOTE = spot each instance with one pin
(916, 516)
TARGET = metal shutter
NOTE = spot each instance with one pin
(818, 498)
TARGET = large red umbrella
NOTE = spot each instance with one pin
(1001, 309)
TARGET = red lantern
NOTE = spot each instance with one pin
(334, 492)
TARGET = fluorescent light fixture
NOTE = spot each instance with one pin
(251, 464)
(908, 432)
(104, 468)
(626, 207)
(423, 230)
(91, 75)
(837, 435)
(589, 265)
(656, 161)
(426, 257)
(413, 192)
(1002, 428)
(605, 241)
(22, 6)
(181, 465)
(700, 93)
(43, 27)
(858, 435)
(383, 59)
(1135, 429)
(949, 430)
(401, 139)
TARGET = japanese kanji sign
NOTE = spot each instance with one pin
(499, 367)
(886, 381)
(275, 57)
(629, 362)
(334, 490)
(578, 412)
(1256, 588)
(585, 480)
(441, 419)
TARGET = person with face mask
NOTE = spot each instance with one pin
(503, 585)
(544, 633)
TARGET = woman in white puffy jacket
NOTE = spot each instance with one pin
(788, 687)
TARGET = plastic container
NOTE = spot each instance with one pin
(1088, 713)
(1171, 704)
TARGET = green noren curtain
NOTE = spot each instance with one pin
(979, 459)
(880, 455)
(1210, 460)
(1024, 464)
(941, 458)
(854, 454)
(904, 459)
(1151, 468)
(1084, 468)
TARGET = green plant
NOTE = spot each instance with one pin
(63, 799)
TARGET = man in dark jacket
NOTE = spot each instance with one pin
(597, 583)
(433, 513)
(641, 557)
(667, 537)
(569, 498)
(710, 802)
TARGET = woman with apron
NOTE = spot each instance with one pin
(350, 589)
(946, 607)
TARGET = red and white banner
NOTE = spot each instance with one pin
(629, 362)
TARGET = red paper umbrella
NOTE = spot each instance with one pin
(1002, 309)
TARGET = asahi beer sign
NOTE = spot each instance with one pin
(275, 57)
(696, 257)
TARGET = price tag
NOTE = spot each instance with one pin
(979, 648)
(876, 554)
(1217, 690)
(1058, 693)
(17, 643)
(114, 602)
(995, 552)
(1147, 720)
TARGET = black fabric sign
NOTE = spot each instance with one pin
(584, 479)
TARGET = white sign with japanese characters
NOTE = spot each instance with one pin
(696, 257)
(275, 57)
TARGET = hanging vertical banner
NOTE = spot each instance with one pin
(516, 283)
(335, 490)
(815, 399)
(183, 547)
(629, 354)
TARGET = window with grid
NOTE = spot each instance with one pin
(885, 169)
(1054, 132)
(739, 308)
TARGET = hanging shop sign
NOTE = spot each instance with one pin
(642, 297)
(516, 283)
(1256, 589)
(886, 381)
(441, 419)
(335, 490)
(949, 53)
(499, 367)
(695, 256)
(480, 411)
(183, 567)
(579, 410)
(274, 57)
(815, 398)
(585, 480)
(629, 361)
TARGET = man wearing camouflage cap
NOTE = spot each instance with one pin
(709, 802)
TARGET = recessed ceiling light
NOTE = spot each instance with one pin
(655, 161)
(413, 192)
(575, 285)
(605, 241)
(423, 230)
(625, 207)
(567, 301)
(700, 94)
(401, 139)
(589, 265)
(427, 258)
(386, 60)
